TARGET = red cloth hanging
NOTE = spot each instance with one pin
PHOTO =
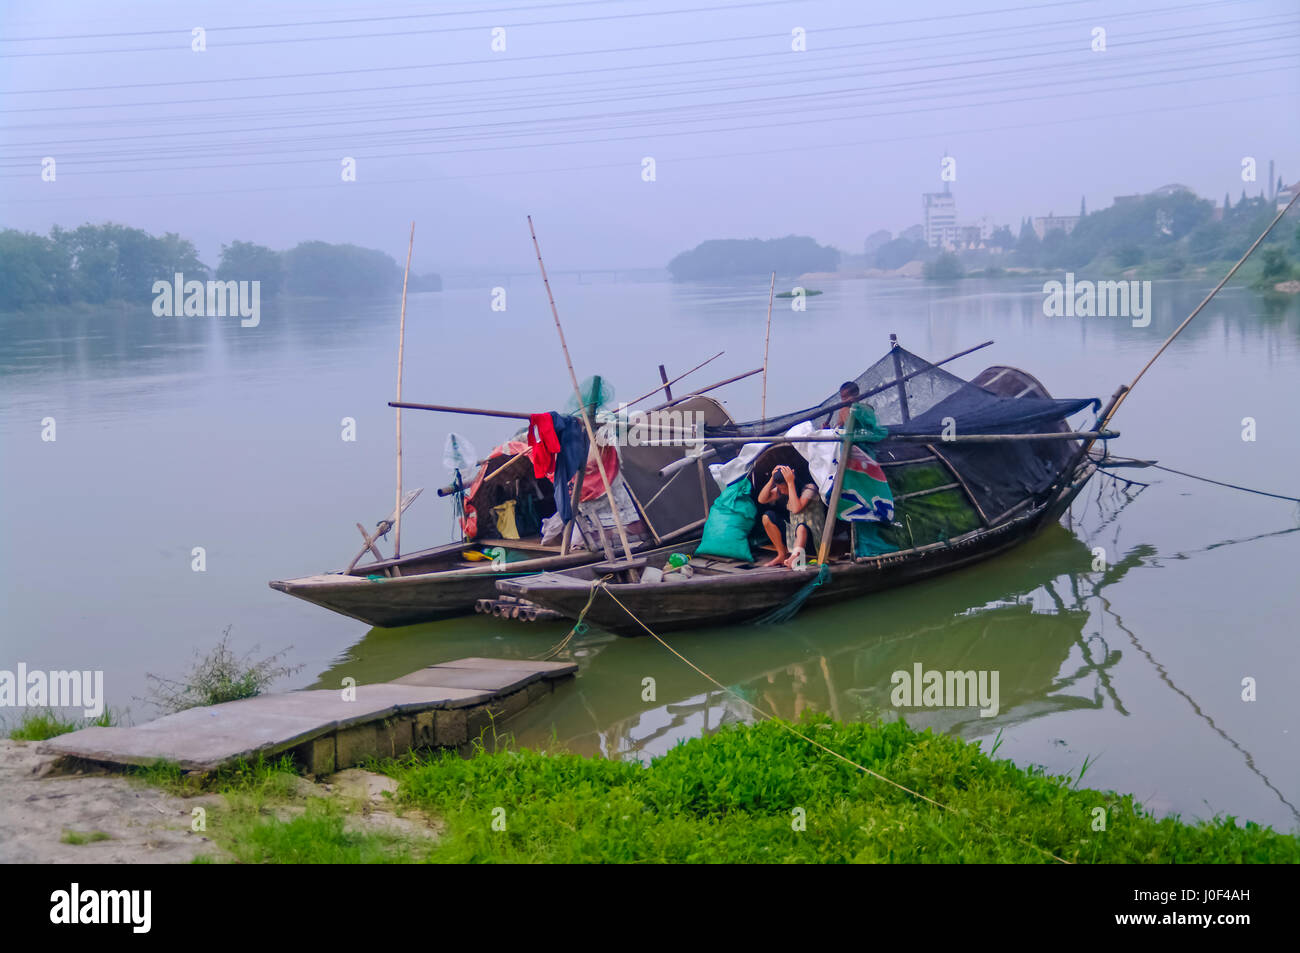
(543, 443)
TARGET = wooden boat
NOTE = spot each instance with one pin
(997, 490)
(446, 580)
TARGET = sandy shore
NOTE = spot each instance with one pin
(39, 807)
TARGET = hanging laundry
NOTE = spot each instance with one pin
(543, 443)
(573, 451)
(505, 519)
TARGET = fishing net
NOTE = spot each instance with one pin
(597, 395)
(958, 486)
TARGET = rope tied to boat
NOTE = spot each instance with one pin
(579, 627)
(602, 584)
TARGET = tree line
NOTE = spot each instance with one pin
(725, 258)
(97, 264)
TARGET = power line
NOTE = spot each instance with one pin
(549, 4)
(673, 65)
(1021, 28)
(643, 137)
(803, 147)
(727, 104)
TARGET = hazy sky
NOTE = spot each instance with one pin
(749, 137)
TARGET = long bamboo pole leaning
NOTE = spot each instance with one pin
(669, 383)
(582, 404)
(828, 531)
(401, 348)
(767, 337)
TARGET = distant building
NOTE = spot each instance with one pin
(1052, 223)
(1285, 195)
(939, 218)
(1171, 189)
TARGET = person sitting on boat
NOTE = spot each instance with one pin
(793, 517)
(848, 391)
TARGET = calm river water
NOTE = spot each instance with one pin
(178, 433)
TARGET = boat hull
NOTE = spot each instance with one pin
(732, 598)
(416, 597)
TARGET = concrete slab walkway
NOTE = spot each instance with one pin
(445, 705)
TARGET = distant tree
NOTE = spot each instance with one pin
(1275, 265)
(33, 271)
(319, 269)
(245, 261)
(875, 240)
(1243, 197)
(1127, 256)
(724, 258)
(897, 253)
(946, 267)
(1027, 245)
(1002, 238)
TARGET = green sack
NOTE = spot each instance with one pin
(731, 517)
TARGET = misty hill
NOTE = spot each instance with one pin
(731, 257)
(97, 264)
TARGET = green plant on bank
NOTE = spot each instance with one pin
(263, 819)
(730, 797)
(42, 724)
(737, 797)
(79, 839)
(220, 676)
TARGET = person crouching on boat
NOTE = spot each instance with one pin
(793, 517)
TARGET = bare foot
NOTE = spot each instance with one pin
(778, 561)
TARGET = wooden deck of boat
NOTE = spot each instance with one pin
(444, 705)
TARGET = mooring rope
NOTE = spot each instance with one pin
(1192, 476)
(602, 585)
(578, 627)
(1231, 486)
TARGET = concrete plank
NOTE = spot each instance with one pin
(546, 669)
(499, 681)
(205, 738)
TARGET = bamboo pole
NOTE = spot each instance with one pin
(401, 347)
(767, 337)
(474, 411)
(668, 383)
(582, 406)
(899, 438)
(704, 390)
(846, 448)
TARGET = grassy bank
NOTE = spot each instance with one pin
(743, 795)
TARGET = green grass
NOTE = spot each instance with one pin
(731, 798)
(78, 838)
(253, 827)
(46, 723)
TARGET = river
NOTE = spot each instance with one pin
(177, 433)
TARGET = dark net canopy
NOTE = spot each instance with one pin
(931, 395)
(995, 477)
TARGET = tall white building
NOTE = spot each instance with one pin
(939, 218)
